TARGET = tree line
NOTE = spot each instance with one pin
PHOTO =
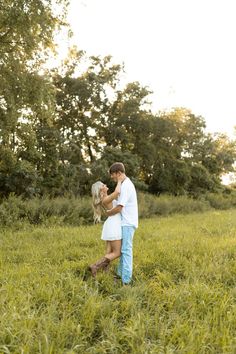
(60, 129)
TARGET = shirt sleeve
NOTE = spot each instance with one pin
(124, 195)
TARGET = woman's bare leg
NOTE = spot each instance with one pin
(115, 250)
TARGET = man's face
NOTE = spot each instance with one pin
(114, 176)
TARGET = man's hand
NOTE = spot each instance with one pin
(114, 211)
(108, 212)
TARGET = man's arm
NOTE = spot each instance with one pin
(114, 211)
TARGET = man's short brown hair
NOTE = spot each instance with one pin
(117, 167)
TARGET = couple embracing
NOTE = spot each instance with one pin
(118, 230)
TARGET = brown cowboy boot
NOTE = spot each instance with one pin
(102, 263)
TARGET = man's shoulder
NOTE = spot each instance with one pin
(128, 180)
(129, 184)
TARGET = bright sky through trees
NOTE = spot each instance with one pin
(182, 49)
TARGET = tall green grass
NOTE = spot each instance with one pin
(182, 299)
(78, 211)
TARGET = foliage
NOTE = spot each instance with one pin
(170, 152)
(26, 97)
(221, 201)
(61, 129)
(18, 213)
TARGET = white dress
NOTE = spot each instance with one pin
(112, 226)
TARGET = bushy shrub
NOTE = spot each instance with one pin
(75, 211)
(221, 201)
(150, 205)
(12, 210)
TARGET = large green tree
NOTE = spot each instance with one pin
(94, 113)
(82, 104)
(129, 125)
(187, 159)
(26, 97)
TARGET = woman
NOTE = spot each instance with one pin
(111, 231)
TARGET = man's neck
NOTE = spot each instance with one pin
(123, 178)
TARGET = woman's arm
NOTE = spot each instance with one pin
(109, 198)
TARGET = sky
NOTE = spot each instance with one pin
(183, 50)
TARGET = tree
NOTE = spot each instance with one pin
(129, 125)
(186, 158)
(27, 29)
(218, 154)
(82, 104)
(201, 181)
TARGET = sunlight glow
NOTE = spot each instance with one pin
(183, 50)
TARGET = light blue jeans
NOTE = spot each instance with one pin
(125, 266)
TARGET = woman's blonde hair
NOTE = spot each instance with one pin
(97, 201)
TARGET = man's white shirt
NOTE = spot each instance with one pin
(128, 199)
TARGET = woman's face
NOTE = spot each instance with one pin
(104, 189)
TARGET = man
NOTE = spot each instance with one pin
(128, 207)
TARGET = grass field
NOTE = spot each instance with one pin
(182, 300)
